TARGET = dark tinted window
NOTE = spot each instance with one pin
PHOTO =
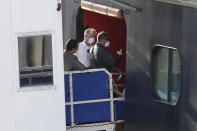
(35, 60)
(166, 75)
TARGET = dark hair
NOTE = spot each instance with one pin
(71, 43)
(102, 35)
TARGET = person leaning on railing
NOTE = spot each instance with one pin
(71, 61)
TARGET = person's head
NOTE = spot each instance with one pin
(89, 36)
(103, 38)
(72, 45)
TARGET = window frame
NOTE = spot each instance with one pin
(168, 101)
(16, 62)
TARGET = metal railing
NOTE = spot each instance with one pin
(110, 99)
(120, 74)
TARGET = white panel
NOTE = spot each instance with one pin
(34, 15)
(6, 79)
(39, 109)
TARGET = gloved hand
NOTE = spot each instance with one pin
(119, 52)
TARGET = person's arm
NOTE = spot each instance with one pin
(109, 59)
(76, 65)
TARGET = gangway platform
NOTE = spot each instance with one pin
(90, 103)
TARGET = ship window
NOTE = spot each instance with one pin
(166, 74)
(35, 60)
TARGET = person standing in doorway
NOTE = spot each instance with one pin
(84, 47)
(100, 57)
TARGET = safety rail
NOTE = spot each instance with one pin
(118, 79)
(111, 98)
(120, 74)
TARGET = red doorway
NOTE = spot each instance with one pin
(116, 28)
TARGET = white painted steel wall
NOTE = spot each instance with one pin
(6, 70)
(34, 109)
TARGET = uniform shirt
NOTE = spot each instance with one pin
(83, 55)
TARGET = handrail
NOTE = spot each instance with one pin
(119, 85)
(89, 71)
(119, 72)
(120, 75)
(95, 101)
(110, 99)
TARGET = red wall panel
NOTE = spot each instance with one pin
(116, 28)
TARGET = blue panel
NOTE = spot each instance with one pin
(119, 110)
(90, 86)
(68, 115)
(66, 82)
(94, 112)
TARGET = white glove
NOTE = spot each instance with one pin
(119, 52)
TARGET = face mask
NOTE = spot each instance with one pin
(91, 40)
(107, 44)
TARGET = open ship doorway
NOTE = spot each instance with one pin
(114, 24)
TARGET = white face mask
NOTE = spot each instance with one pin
(91, 40)
(107, 44)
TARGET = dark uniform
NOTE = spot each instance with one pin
(100, 57)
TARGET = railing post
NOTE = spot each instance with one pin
(111, 98)
(71, 99)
